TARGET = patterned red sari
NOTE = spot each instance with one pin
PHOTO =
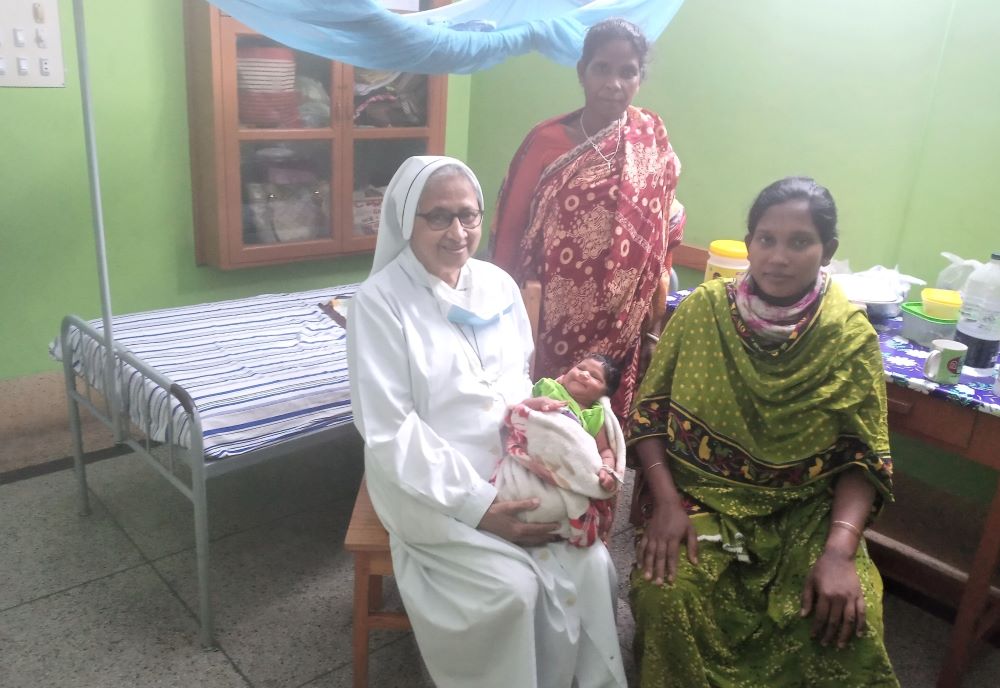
(598, 237)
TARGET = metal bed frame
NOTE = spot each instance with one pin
(116, 417)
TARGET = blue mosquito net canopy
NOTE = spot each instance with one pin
(459, 38)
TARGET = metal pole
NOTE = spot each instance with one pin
(97, 213)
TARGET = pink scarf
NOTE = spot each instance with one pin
(769, 322)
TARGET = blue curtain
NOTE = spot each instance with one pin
(460, 38)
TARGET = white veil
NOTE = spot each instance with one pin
(399, 205)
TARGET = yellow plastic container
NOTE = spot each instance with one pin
(726, 258)
(941, 303)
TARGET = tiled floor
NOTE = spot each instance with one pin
(107, 600)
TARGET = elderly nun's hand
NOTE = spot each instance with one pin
(501, 519)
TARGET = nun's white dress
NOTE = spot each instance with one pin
(428, 396)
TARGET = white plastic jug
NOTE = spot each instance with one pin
(979, 320)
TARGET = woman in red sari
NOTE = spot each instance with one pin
(588, 209)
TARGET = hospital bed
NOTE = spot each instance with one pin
(201, 391)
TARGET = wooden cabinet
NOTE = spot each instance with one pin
(290, 152)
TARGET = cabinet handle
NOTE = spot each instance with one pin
(901, 407)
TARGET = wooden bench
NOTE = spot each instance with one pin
(368, 541)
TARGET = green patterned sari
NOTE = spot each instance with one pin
(755, 438)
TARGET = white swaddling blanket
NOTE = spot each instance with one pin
(550, 457)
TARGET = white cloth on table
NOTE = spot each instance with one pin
(429, 399)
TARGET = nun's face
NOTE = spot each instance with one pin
(441, 239)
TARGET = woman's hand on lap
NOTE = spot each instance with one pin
(833, 595)
(501, 520)
(658, 551)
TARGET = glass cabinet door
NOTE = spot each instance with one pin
(286, 191)
(292, 152)
(389, 99)
(389, 123)
(375, 161)
(280, 88)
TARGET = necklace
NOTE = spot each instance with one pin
(608, 159)
(473, 343)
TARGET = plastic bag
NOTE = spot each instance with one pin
(839, 267)
(955, 275)
(877, 284)
(314, 102)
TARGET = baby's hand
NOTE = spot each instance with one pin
(543, 404)
(606, 479)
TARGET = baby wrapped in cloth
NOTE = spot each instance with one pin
(550, 456)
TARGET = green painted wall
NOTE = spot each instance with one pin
(951, 202)
(892, 104)
(47, 259)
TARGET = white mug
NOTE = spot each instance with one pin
(944, 362)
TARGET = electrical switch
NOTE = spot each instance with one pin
(31, 53)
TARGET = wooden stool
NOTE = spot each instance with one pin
(368, 541)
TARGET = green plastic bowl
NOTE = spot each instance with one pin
(923, 329)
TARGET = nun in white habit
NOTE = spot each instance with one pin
(438, 347)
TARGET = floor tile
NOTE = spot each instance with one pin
(916, 641)
(48, 546)
(396, 665)
(160, 519)
(283, 585)
(626, 631)
(127, 629)
(622, 542)
(624, 503)
(282, 595)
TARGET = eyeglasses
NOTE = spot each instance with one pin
(442, 219)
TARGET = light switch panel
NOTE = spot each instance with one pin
(31, 44)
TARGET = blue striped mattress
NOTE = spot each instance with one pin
(261, 370)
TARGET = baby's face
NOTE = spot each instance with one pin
(585, 382)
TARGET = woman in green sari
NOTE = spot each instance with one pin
(760, 431)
